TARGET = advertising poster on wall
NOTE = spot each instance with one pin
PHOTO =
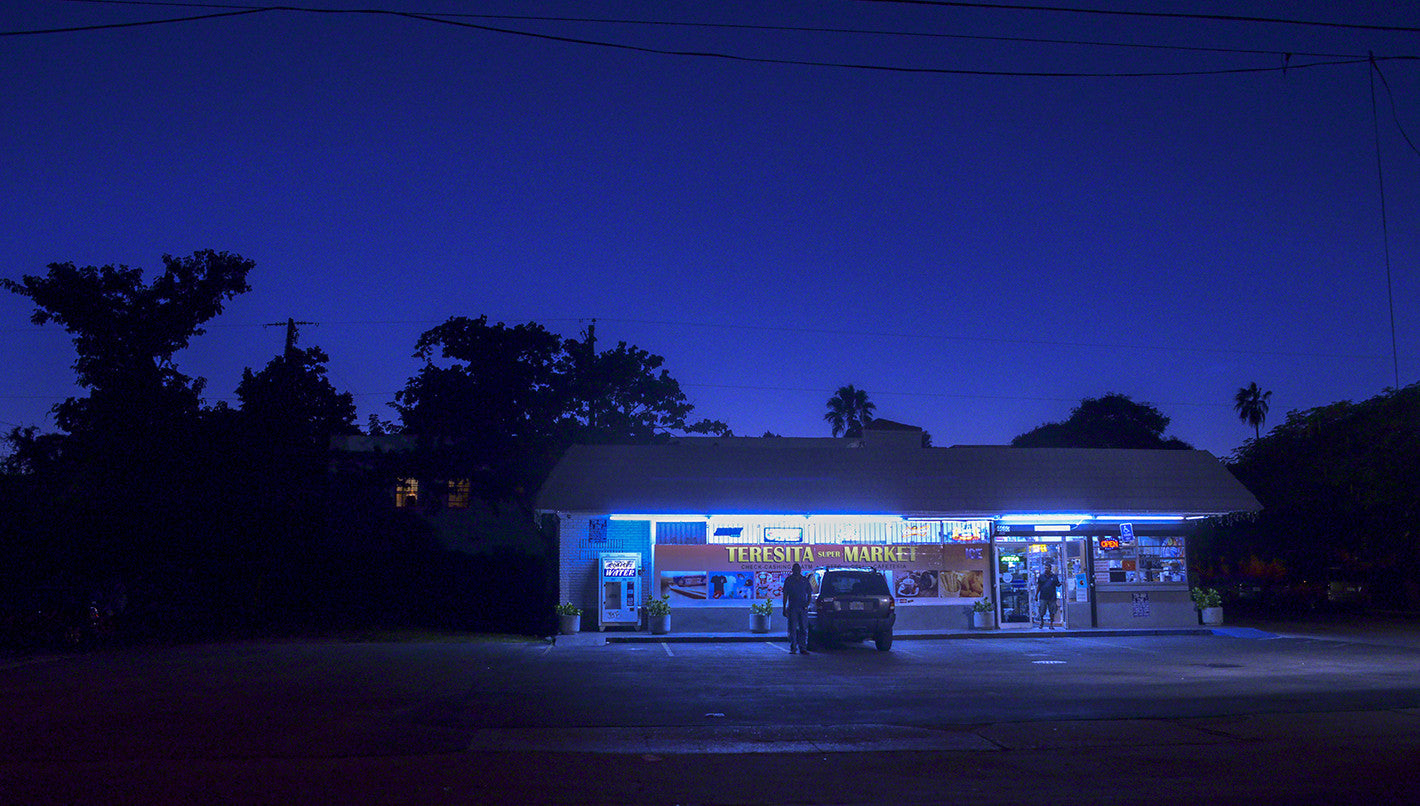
(709, 575)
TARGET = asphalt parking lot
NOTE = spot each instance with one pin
(583, 721)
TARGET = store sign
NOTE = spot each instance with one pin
(596, 530)
(1126, 534)
(618, 568)
(1109, 543)
(783, 534)
(709, 574)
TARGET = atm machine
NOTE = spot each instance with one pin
(619, 590)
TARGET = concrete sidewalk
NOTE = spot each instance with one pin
(595, 638)
(1400, 726)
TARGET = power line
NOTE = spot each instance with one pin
(942, 395)
(112, 25)
(795, 29)
(995, 339)
(1394, 112)
(1385, 230)
(705, 54)
(1166, 15)
(890, 335)
(877, 334)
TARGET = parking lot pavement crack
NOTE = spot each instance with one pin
(1063, 735)
(726, 739)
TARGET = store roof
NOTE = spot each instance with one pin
(843, 476)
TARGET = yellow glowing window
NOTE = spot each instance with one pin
(406, 493)
(460, 491)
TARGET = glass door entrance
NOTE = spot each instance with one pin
(1018, 566)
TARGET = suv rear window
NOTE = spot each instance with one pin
(854, 583)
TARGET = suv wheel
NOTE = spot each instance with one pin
(883, 641)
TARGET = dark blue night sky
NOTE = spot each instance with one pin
(978, 252)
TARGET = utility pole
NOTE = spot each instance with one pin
(588, 361)
(290, 324)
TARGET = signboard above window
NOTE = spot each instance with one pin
(783, 534)
(596, 530)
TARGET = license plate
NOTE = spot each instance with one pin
(855, 605)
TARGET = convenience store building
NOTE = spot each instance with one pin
(715, 523)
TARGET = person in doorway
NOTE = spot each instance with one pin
(1045, 586)
(796, 609)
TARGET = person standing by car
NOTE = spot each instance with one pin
(1045, 586)
(796, 609)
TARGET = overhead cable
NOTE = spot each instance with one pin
(1165, 15)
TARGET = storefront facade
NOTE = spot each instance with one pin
(715, 525)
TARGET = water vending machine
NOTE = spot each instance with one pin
(620, 590)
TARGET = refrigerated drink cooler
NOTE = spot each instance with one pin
(619, 590)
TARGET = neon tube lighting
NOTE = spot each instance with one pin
(1140, 518)
(625, 517)
(1052, 518)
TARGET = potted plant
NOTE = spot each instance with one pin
(759, 613)
(569, 618)
(1210, 605)
(983, 614)
(658, 614)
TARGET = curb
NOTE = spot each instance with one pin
(923, 635)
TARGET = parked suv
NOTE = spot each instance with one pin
(852, 604)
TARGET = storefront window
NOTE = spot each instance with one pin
(1139, 559)
(1161, 559)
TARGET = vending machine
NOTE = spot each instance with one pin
(620, 590)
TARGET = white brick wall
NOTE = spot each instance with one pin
(577, 572)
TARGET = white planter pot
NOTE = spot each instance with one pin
(660, 625)
(983, 620)
(1212, 616)
(758, 622)
(569, 625)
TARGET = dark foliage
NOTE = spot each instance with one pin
(152, 516)
(1340, 489)
(500, 404)
(1110, 421)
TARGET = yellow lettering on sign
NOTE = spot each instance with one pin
(808, 554)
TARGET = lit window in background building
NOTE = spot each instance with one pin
(460, 492)
(406, 493)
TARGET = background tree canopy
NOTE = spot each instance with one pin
(501, 403)
(1340, 490)
(1111, 421)
(126, 332)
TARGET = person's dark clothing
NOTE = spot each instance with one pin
(796, 611)
(797, 591)
(798, 618)
(1045, 585)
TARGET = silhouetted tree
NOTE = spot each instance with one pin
(1251, 405)
(1340, 492)
(140, 485)
(293, 402)
(1110, 421)
(505, 401)
(126, 333)
(848, 411)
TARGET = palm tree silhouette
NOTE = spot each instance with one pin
(848, 411)
(1251, 405)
